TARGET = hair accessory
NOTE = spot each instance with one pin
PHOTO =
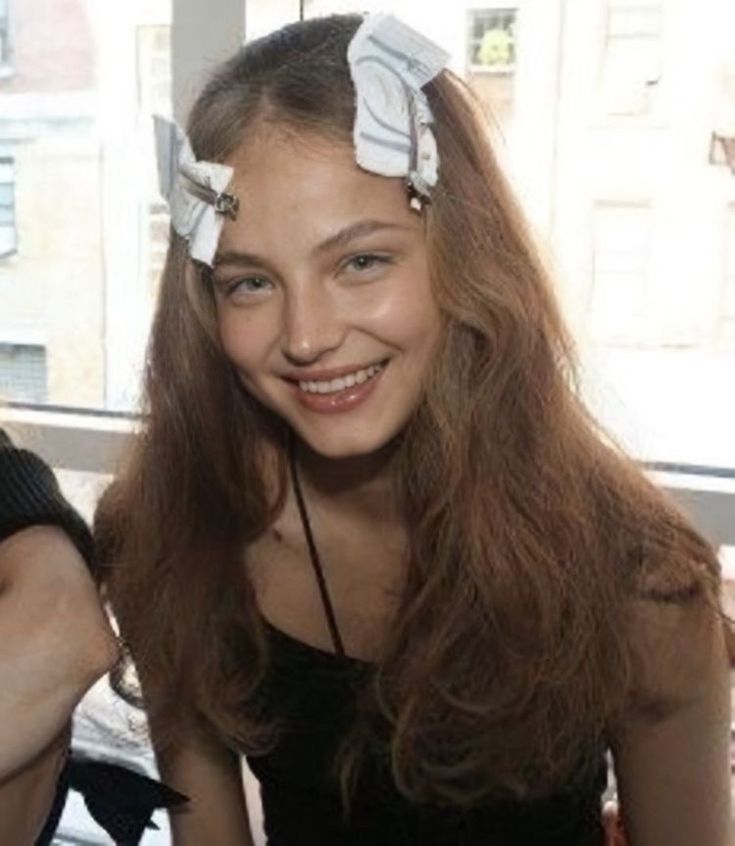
(390, 63)
(195, 191)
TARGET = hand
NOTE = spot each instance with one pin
(55, 640)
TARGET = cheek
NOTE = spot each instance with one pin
(413, 317)
(242, 338)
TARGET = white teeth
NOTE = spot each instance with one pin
(342, 382)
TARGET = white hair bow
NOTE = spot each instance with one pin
(390, 63)
(194, 190)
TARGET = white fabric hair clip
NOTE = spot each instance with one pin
(195, 191)
(390, 63)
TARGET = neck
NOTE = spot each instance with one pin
(361, 485)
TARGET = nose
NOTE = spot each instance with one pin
(312, 326)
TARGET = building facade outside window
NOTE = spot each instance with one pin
(23, 372)
(153, 47)
(727, 334)
(620, 271)
(8, 229)
(4, 34)
(491, 57)
(491, 43)
(633, 56)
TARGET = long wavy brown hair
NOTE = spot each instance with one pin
(529, 531)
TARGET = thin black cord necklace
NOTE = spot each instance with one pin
(313, 552)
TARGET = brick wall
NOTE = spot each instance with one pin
(51, 47)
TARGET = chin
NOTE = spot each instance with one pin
(340, 446)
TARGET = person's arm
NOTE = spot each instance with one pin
(55, 640)
(211, 776)
(27, 795)
(672, 761)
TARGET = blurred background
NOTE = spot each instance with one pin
(615, 120)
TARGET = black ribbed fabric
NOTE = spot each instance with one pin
(30, 496)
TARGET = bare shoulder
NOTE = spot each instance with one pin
(671, 743)
(678, 644)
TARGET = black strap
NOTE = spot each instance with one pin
(314, 554)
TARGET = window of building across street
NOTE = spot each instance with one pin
(8, 233)
(491, 43)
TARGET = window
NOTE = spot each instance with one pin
(154, 69)
(621, 247)
(491, 44)
(8, 234)
(23, 372)
(4, 34)
(75, 136)
(632, 60)
(728, 288)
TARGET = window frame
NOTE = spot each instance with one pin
(91, 442)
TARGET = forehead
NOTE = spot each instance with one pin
(303, 187)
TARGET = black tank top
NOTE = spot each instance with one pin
(313, 695)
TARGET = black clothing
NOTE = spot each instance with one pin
(30, 496)
(313, 692)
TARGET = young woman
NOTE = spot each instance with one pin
(369, 536)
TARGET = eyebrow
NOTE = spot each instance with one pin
(360, 229)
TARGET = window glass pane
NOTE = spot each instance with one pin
(23, 372)
(620, 270)
(4, 34)
(632, 59)
(7, 207)
(75, 118)
(634, 20)
(630, 208)
(81, 284)
(729, 283)
(491, 43)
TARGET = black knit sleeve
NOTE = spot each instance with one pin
(30, 496)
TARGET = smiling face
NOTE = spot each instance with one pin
(322, 291)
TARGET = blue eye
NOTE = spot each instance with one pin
(248, 285)
(367, 261)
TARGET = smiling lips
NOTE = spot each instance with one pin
(334, 385)
(342, 393)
